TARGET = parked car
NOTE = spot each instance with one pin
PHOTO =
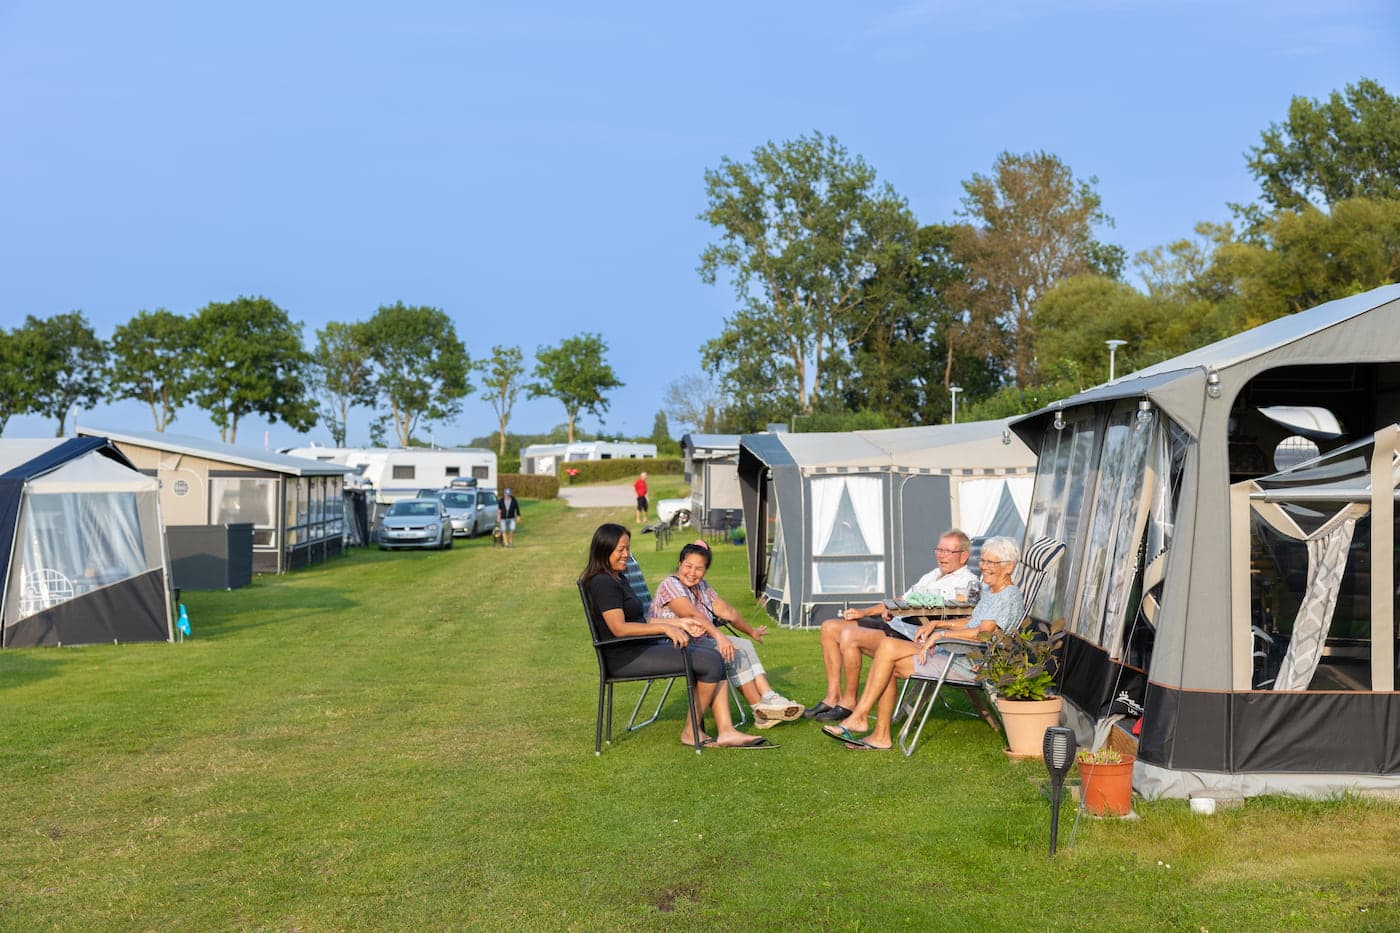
(472, 510)
(415, 523)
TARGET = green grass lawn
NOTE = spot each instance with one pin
(403, 741)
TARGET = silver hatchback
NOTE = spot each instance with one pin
(473, 511)
(415, 523)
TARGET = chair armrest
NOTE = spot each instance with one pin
(958, 645)
(622, 640)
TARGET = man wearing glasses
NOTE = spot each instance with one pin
(847, 641)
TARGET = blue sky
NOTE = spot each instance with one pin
(536, 170)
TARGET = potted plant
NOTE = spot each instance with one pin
(1106, 781)
(1019, 669)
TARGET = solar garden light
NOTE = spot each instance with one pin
(1059, 751)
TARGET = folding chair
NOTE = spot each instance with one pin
(603, 640)
(1036, 561)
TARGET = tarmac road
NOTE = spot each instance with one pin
(599, 497)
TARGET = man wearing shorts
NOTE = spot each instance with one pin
(640, 487)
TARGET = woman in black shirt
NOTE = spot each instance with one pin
(621, 613)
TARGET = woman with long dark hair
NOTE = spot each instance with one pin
(615, 605)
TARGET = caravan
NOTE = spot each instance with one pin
(395, 473)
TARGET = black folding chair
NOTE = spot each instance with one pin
(604, 641)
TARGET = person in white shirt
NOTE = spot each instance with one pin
(846, 642)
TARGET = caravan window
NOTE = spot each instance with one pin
(481, 472)
(254, 499)
(404, 471)
(70, 543)
(848, 534)
(452, 471)
(1062, 475)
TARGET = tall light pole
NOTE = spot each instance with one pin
(953, 391)
(1113, 346)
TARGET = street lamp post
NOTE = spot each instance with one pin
(953, 391)
(1113, 346)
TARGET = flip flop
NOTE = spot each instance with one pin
(756, 742)
(706, 742)
(867, 747)
(844, 736)
(812, 711)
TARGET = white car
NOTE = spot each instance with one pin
(666, 509)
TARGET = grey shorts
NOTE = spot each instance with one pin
(507, 524)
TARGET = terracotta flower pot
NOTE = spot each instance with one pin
(1107, 789)
(1026, 722)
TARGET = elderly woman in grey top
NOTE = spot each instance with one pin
(1001, 607)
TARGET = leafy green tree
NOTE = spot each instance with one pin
(576, 373)
(248, 360)
(68, 364)
(420, 365)
(501, 386)
(801, 227)
(1299, 259)
(151, 358)
(17, 376)
(660, 430)
(1326, 152)
(343, 375)
(1032, 224)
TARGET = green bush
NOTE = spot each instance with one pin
(528, 485)
(598, 471)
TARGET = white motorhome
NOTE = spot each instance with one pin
(546, 458)
(400, 472)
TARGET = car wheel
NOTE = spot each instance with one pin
(450, 542)
(471, 530)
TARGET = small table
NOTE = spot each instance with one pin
(950, 610)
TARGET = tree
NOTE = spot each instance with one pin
(575, 373)
(344, 376)
(17, 378)
(1325, 153)
(660, 430)
(501, 385)
(801, 226)
(248, 360)
(68, 364)
(1032, 225)
(151, 358)
(420, 366)
(693, 402)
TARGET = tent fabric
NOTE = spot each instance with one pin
(85, 558)
(1173, 522)
(837, 517)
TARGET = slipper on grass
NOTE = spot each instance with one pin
(843, 735)
(756, 742)
(867, 747)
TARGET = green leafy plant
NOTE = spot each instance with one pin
(1022, 666)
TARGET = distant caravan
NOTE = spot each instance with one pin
(395, 473)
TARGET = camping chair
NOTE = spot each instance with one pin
(1036, 562)
(603, 639)
(638, 584)
(43, 589)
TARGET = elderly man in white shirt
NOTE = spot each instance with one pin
(846, 643)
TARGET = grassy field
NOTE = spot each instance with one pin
(405, 741)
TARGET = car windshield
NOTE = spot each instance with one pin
(456, 500)
(415, 507)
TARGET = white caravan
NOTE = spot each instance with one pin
(396, 473)
(545, 459)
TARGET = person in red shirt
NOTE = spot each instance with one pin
(640, 487)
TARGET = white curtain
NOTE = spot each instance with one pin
(848, 515)
(977, 504)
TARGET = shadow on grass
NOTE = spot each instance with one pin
(21, 667)
(214, 616)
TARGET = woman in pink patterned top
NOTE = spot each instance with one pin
(686, 595)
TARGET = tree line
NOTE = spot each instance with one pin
(247, 357)
(849, 311)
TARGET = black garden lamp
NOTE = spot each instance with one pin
(1059, 749)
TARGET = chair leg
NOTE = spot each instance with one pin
(908, 748)
(736, 698)
(607, 735)
(694, 710)
(598, 730)
(632, 724)
(899, 703)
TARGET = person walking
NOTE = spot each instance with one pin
(640, 488)
(507, 517)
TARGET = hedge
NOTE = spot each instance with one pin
(596, 471)
(528, 486)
